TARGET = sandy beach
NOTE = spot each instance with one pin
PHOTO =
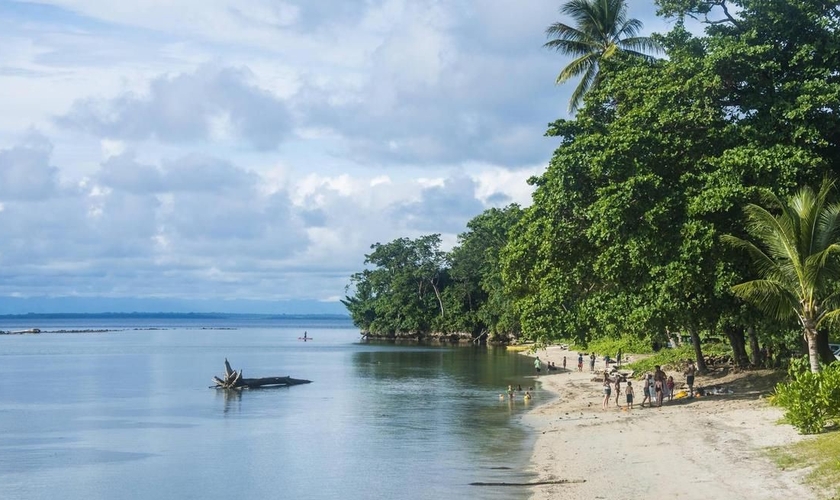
(711, 447)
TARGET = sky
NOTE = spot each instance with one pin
(242, 156)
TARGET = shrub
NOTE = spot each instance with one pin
(811, 400)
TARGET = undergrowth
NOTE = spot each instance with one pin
(674, 359)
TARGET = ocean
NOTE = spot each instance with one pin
(121, 408)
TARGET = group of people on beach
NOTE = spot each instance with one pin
(656, 387)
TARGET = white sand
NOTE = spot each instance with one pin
(703, 448)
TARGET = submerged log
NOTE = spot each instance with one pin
(234, 380)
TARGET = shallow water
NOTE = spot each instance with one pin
(128, 414)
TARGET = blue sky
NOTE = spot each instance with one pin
(242, 156)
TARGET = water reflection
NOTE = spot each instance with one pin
(232, 400)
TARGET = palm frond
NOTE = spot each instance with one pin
(581, 65)
(766, 266)
(771, 297)
(640, 44)
(829, 318)
(630, 28)
(585, 83)
(828, 226)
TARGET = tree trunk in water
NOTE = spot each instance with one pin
(698, 350)
(755, 358)
(826, 356)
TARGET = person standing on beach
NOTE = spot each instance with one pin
(689, 377)
(628, 391)
(592, 362)
(607, 390)
(646, 389)
(617, 388)
(564, 363)
(538, 365)
(659, 384)
(670, 386)
(580, 361)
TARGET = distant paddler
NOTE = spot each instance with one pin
(305, 337)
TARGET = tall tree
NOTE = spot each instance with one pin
(402, 292)
(797, 259)
(475, 265)
(600, 31)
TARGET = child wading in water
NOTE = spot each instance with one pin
(629, 392)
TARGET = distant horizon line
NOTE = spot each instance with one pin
(137, 314)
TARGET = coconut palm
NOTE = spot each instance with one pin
(602, 30)
(797, 261)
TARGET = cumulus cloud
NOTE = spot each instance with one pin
(177, 224)
(209, 103)
(25, 170)
(445, 208)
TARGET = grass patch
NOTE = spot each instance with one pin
(822, 453)
(609, 346)
(670, 359)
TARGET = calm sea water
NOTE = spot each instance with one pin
(128, 414)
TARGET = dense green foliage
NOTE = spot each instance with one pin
(623, 241)
(810, 399)
(414, 287)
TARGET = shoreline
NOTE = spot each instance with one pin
(711, 447)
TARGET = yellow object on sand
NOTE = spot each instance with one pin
(680, 395)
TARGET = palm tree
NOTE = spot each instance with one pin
(798, 261)
(602, 31)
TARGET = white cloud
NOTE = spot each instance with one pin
(205, 105)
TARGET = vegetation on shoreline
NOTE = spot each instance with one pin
(629, 236)
(811, 399)
(818, 453)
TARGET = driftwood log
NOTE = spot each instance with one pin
(233, 380)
